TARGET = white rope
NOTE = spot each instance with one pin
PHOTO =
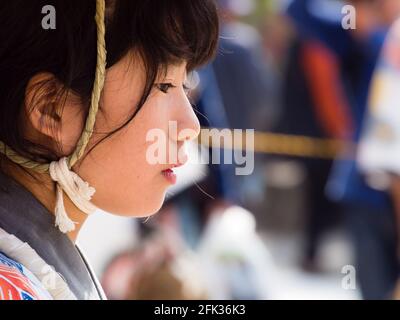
(76, 189)
(21, 252)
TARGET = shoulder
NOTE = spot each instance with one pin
(18, 283)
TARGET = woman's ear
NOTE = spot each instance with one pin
(41, 105)
(53, 116)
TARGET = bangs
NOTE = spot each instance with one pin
(164, 31)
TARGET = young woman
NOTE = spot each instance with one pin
(77, 101)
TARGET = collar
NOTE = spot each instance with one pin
(23, 216)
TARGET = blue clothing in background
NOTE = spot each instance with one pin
(357, 63)
(347, 184)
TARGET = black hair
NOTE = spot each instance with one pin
(162, 32)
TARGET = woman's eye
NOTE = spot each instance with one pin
(164, 87)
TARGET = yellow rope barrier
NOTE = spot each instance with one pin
(284, 144)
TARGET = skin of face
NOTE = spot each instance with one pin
(126, 183)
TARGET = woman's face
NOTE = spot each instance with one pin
(126, 180)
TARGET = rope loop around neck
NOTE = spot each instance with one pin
(67, 181)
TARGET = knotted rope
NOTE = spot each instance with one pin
(60, 171)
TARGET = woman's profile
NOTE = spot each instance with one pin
(77, 102)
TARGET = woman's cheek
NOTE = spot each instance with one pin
(137, 196)
(138, 188)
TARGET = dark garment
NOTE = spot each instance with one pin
(23, 216)
(328, 31)
(298, 111)
(322, 214)
(374, 238)
(299, 118)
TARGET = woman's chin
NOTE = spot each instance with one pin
(143, 210)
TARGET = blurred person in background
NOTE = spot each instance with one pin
(239, 90)
(378, 155)
(315, 104)
(277, 33)
(245, 77)
(369, 212)
(160, 267)
(337, 66)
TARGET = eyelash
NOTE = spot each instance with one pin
(164, 87)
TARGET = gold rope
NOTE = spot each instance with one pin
(94, 105)
(97, 87)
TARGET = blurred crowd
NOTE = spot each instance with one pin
(284, 67)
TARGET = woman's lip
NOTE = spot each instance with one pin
(178, 165)
(169, 175)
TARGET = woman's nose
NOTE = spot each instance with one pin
(188, 125)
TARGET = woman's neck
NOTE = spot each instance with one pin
(44, 190)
